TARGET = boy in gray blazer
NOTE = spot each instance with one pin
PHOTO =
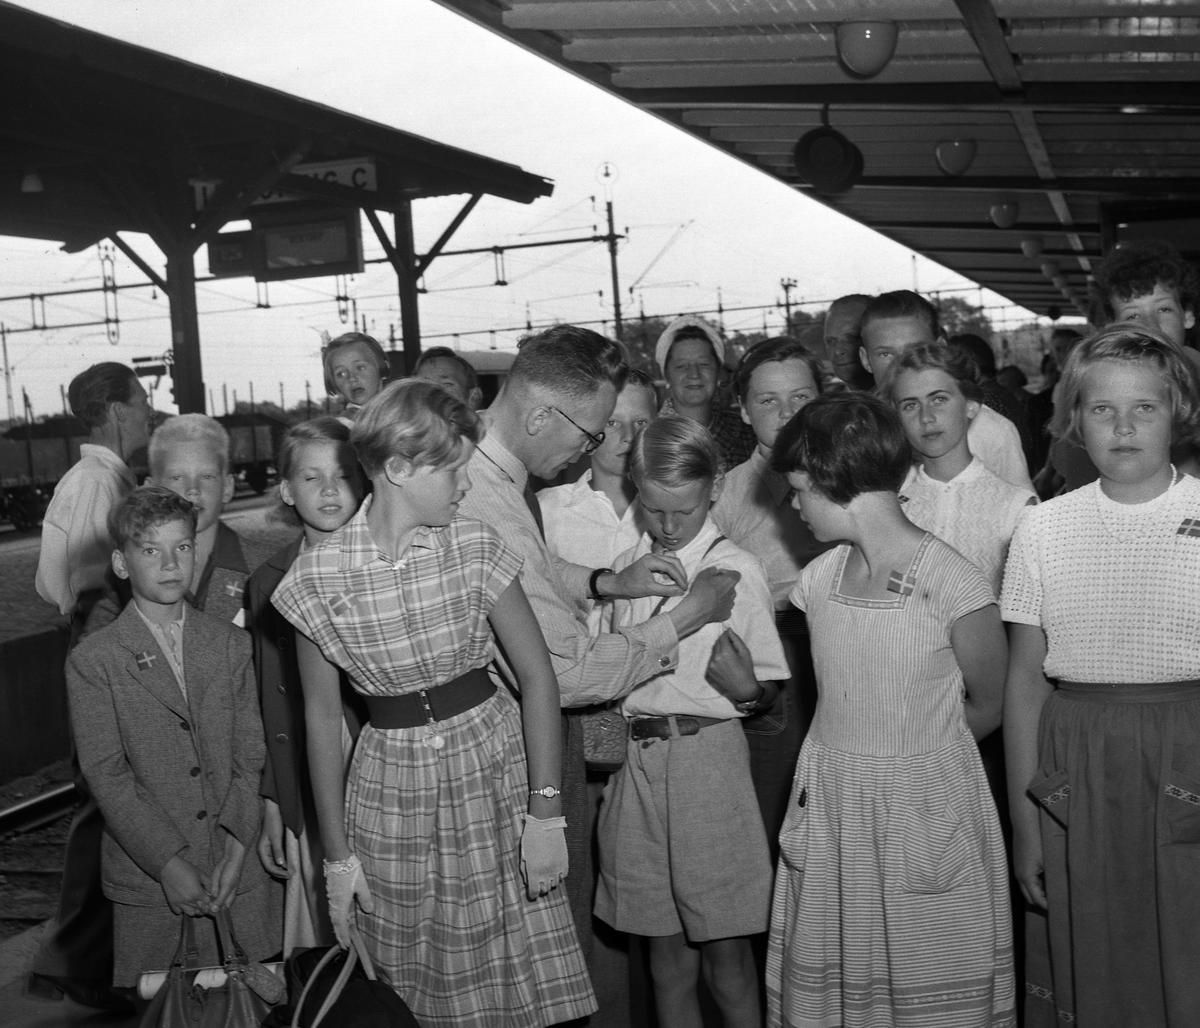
(166, 720)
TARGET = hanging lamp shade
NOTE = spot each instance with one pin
(955, 156)
(827, 160)
(865, 47)
(1050, 269)
(1005, 214)
(1031, 246)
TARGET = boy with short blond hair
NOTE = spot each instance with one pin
(165, 716)
(189, 454)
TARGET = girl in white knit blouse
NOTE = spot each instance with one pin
(1102, 707)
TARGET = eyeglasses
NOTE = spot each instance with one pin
(593, 440)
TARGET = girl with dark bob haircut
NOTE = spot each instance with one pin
(891, 892)
(847, 444)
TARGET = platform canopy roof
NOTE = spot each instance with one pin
(117, 135)
(1085, 113)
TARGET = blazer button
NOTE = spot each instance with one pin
(664, 661)
(184, 725)
(195, 772)
(281, 737)
(202, 815)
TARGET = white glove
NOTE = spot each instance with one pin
(344, 880)
(543, 854)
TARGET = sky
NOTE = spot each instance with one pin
(703, 227)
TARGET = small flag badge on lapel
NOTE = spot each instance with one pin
(902, 584)
(1189, 527)
(342, 603)
(145, 661)
(235, 589)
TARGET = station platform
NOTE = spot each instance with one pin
(20, 1011)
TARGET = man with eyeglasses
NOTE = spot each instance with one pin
(552, 409)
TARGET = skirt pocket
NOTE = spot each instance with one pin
(793, 836)
(1182, 808)
(934, 850)
(1053, 794)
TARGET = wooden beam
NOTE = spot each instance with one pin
(1074, 97)
(630, 15)
(1022, 229)
(784, 74)
(984, 251)
(424, 262)
(1149, 186)
(984, 27)
(134, 256)
(787, 45)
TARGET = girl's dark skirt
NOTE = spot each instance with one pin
(1119, 788)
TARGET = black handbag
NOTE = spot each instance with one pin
(238, 1003)
(349, 996)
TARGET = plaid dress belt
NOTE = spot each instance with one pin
(431, 705)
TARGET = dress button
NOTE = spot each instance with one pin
(184, 725)
(195, 772)
(281, 737)
(664, 661)
(202, 815)
(281, 689)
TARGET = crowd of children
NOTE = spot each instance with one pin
(800, 616)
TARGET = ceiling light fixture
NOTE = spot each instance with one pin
(1005, 213)
(32, 182)
(955, 156)
(1031, 246)
(865, 47)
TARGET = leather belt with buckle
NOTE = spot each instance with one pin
(660, 727)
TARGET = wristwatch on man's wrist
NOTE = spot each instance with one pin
(594, 581)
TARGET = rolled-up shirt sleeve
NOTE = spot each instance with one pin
(590, 669)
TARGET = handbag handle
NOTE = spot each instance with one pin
(187, 953)
(358, 952)
(232, 953)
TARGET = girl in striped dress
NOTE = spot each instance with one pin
(891, 903)
(1102, 707)
(440, 820)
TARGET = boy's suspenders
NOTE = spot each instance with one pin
(715, 543)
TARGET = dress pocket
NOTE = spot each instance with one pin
(1182, 807)
(793, 836)
(1052, 791)
(934, 849)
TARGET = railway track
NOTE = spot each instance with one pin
(33, 834)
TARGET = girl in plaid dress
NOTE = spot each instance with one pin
(440, 821)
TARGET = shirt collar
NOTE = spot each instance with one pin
(777, 484)
(358, 548)
(155, 626)
(971, 472)
(105, 456)
(491, 449)
(698, 547)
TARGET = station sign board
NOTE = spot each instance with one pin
(292, 244)
(353, 173)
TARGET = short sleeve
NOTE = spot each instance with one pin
(499, 563)
(970, 590)
(298, 599)
(799, 594)
(1021, 597)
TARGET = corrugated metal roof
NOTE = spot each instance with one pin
(1084, 112)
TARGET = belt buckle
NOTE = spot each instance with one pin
(431, 738)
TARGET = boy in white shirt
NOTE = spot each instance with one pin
(683, 852)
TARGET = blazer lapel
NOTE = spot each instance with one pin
(147, 663)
